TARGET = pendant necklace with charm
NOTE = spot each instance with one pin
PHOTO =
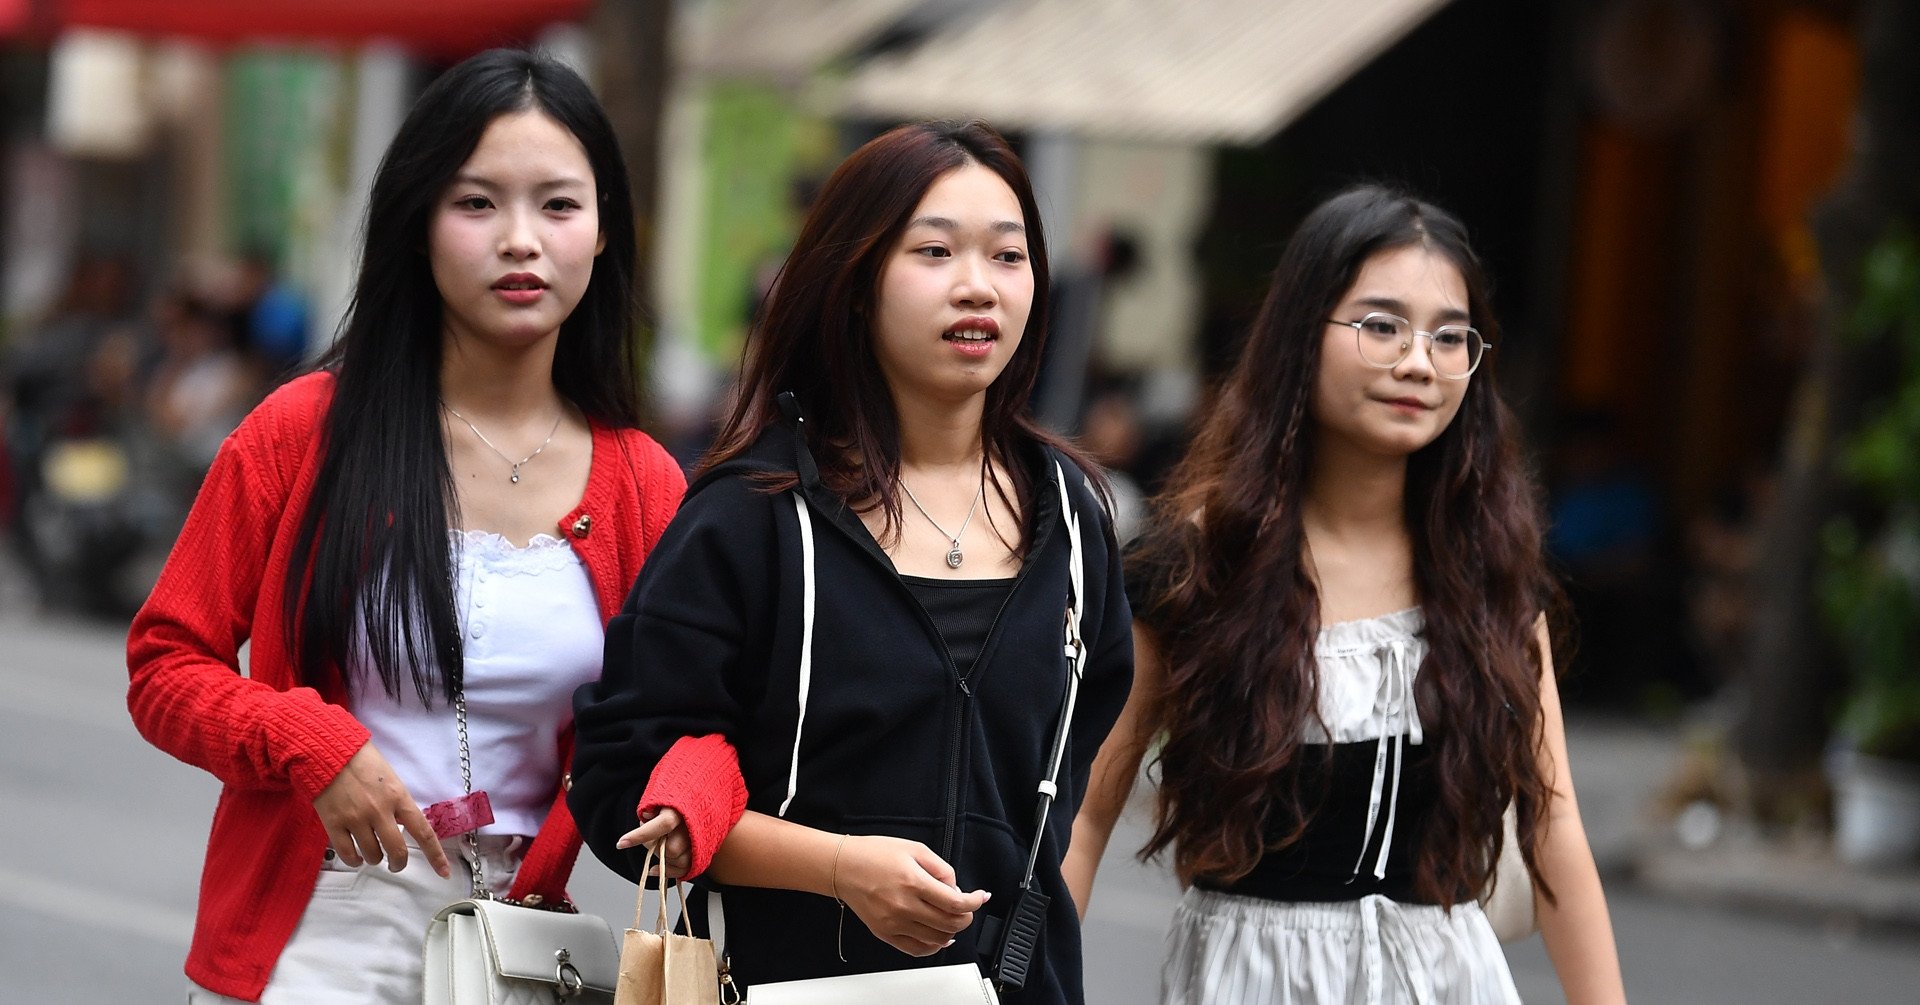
(514, 477)
(954, 557)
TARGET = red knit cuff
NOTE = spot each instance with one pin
(329, 736)
(699, 779)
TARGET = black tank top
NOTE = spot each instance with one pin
(963, 610)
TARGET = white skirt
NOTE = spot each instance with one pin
(1230, 950)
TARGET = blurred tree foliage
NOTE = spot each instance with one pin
(1870, 578)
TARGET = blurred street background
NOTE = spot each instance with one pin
(1702, 218)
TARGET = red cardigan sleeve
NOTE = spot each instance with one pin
(185, 689)
(699, 779)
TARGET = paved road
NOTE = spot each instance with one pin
(101, 836)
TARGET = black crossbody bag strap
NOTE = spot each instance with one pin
(1007, 943)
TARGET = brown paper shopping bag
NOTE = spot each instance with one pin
(660, 968)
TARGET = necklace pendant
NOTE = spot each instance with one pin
(515, 477)
(954, 558)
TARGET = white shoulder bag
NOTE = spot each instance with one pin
(487, 951)
(1508, 898)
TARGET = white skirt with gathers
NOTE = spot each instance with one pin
(1231, 950)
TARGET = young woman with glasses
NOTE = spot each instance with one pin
(866, 591)
(1343, 649)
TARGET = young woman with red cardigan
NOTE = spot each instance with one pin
(349, 528)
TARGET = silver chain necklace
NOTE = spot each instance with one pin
(954, 556)
(515, 476)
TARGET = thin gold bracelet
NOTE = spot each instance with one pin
(840, 929)
(836, 867)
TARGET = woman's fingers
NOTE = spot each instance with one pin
(391, 838)
(941, 922)
(916, 947)
(931, 935)
(367, 837)
(367, 813)
(342, 841)
(904, 893)
(415, 823)
(656, 827)
(951, 902)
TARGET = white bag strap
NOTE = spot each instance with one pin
(716, 912)
(716, 924)
(1076, 660)
(806, 642)
(1076, 650)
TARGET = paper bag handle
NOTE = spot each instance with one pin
(640, 896)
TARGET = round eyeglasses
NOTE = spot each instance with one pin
(1386, 339)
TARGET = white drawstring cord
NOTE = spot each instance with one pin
(1397, 724)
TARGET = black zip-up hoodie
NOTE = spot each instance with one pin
(893, 742)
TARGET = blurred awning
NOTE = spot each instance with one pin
(1198, 71)
(437, 27)
(788, 39)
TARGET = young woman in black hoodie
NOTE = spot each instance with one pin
(866, 591)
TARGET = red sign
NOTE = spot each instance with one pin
(13, 17)
(449, 28)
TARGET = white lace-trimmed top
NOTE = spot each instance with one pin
(531, 631)
(1367, 670)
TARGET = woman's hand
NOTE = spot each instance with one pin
(365, 809)
(664, 831)
(903, 892)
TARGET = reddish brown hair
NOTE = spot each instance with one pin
(1237, 613)
(816, 339)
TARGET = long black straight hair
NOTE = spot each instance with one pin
(372, 566)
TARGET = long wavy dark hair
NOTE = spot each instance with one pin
(372, 565)
(816, 339)
(1238, 613)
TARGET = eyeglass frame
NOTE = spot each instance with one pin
(1407, 349)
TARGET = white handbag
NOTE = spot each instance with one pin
(489, 952)
(1508, 902)
(959, 984)
(485, 951)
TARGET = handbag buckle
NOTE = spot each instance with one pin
(559, 905)
(567, 975)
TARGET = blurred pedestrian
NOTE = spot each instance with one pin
(1342, 650)
(1112, 434)
(422, 541)
(272, 314)
(46, 381)
(201, 386)
(867, 589)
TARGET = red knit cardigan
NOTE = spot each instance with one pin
(275, 744)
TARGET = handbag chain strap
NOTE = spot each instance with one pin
(480, 891)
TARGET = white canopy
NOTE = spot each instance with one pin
(1201, 71)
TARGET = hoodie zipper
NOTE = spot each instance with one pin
(1044, 532)
(952, 820)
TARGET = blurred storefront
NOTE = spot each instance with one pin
(188, 136)
(1638, 174)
